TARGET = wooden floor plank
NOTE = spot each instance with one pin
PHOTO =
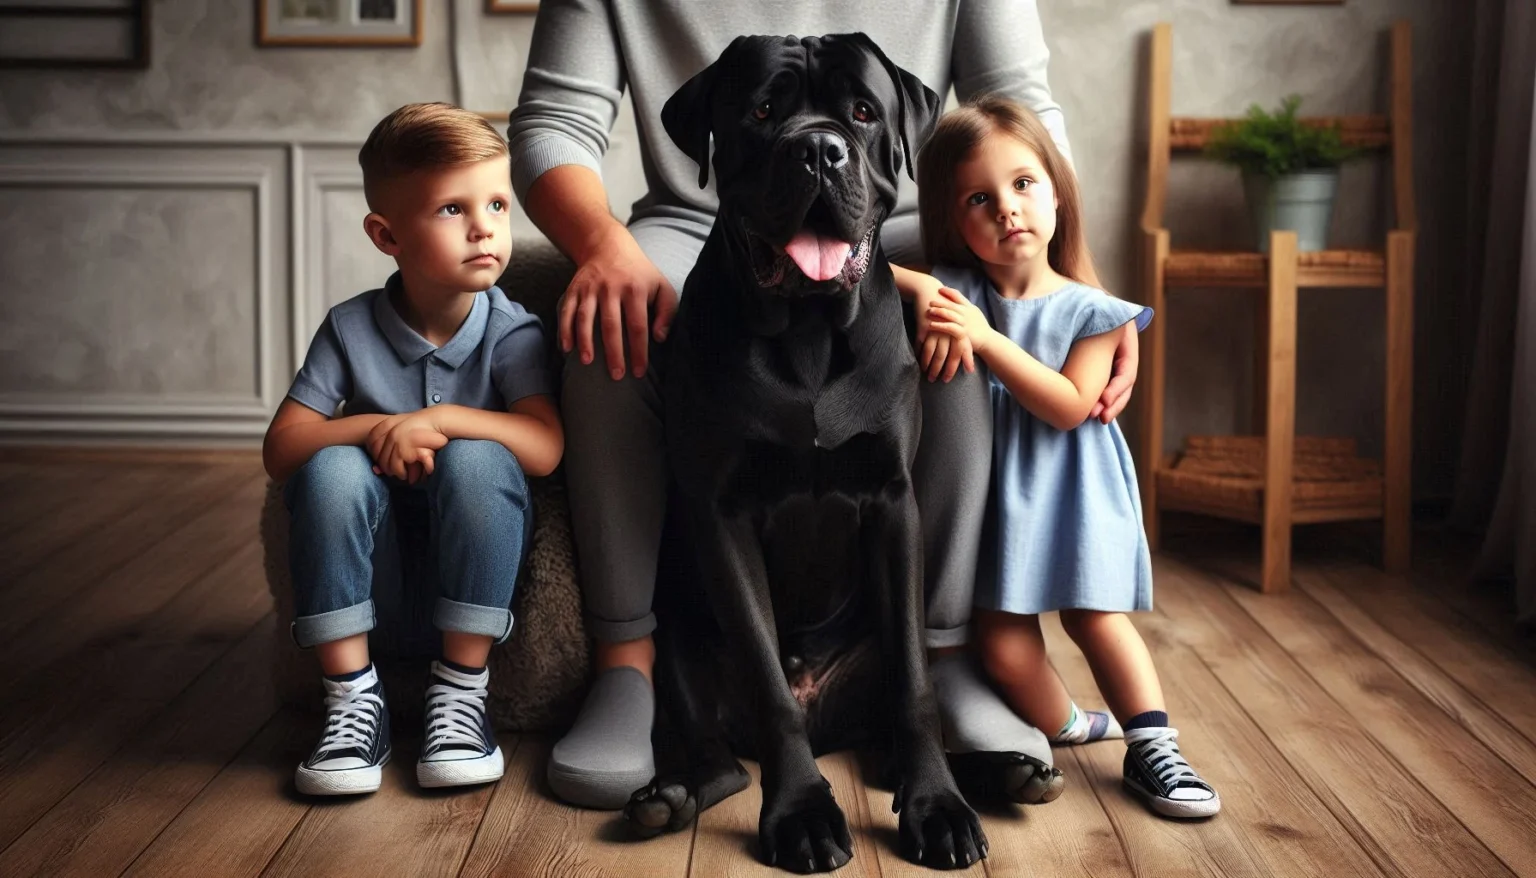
(35, 493)
(526, 832)
(725, 842)
(1390, 815)
(1496, 804)
(1445, 563)
(152, 529)
(875, 812)
(239, 821)
(399, 830)
(135, 590)
(106, 821)
(69, 527)
(1283, 824)
(1408, 640)
(1153, 845)
(67, 722)
(1067, 837)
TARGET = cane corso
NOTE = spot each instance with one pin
(792, 418)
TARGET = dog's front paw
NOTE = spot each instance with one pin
(661, 806)
(805, 831)
(938, 829)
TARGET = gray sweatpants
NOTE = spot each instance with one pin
(616, 463)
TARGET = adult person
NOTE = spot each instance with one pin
(585, 55)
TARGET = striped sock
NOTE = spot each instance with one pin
(1085, 726)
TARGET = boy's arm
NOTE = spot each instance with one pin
(530, 429)
(298, 431)
(1062, 399)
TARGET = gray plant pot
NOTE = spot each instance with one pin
(1302, 201)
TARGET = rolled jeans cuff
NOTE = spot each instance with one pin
(937, 638)
(608, 631)
(492, 622)
(320, 628)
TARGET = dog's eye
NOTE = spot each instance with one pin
(863, 112)
(761, 111)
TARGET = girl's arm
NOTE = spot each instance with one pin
(938, 355)
(912, 281)
(1062, 399)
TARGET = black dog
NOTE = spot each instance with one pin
(792, 419)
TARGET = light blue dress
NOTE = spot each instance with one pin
(1063, 528)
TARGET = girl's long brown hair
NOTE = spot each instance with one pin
(961, 131)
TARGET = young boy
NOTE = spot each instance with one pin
(444, 392)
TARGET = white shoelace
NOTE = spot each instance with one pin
(351, 718)
(453, 715)
(1160, 750)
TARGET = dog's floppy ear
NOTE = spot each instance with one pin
(917, 105)
(686, 115)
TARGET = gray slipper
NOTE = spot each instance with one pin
(607, 754)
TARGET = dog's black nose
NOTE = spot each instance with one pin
(820, 151)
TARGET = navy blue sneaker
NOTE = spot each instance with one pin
(1156, 773)
(459, 747)
(355, 745)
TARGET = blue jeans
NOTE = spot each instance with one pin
(345, 540)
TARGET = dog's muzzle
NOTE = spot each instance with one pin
(819, 257)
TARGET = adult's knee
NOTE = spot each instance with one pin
(958, 413)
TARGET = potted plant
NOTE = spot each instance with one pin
(1290, 170)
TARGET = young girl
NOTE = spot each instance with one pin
(1002, 224)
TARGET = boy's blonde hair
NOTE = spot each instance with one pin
(961, 131)
(423, 136)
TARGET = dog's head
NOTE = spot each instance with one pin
(810, 137)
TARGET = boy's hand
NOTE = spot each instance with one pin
(403, 445)
(952, 314)
(938, 353)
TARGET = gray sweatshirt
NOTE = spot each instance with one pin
(585, 53)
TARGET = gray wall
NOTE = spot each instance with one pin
(217, 198)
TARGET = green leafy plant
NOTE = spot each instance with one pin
(1274, 145)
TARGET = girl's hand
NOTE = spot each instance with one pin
(955, 316)
(938, 353)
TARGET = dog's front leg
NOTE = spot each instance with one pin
(800, 827)
(936, 828)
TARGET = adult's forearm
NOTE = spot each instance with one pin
(570, 206)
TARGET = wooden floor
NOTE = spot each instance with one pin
(1361, 725)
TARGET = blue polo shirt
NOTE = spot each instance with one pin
(364, 355)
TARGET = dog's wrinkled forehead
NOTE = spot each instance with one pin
(795, 79)
(813, 71)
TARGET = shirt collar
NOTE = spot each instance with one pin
(411, 347)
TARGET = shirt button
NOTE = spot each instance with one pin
(437, 397)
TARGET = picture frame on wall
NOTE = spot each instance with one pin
(338, 23)
(502, 7)
(74, 33)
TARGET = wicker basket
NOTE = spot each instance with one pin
(1224, 476)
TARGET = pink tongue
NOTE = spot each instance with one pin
(818, 257)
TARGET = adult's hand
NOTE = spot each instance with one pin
(619, 287)
(1117, 393)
